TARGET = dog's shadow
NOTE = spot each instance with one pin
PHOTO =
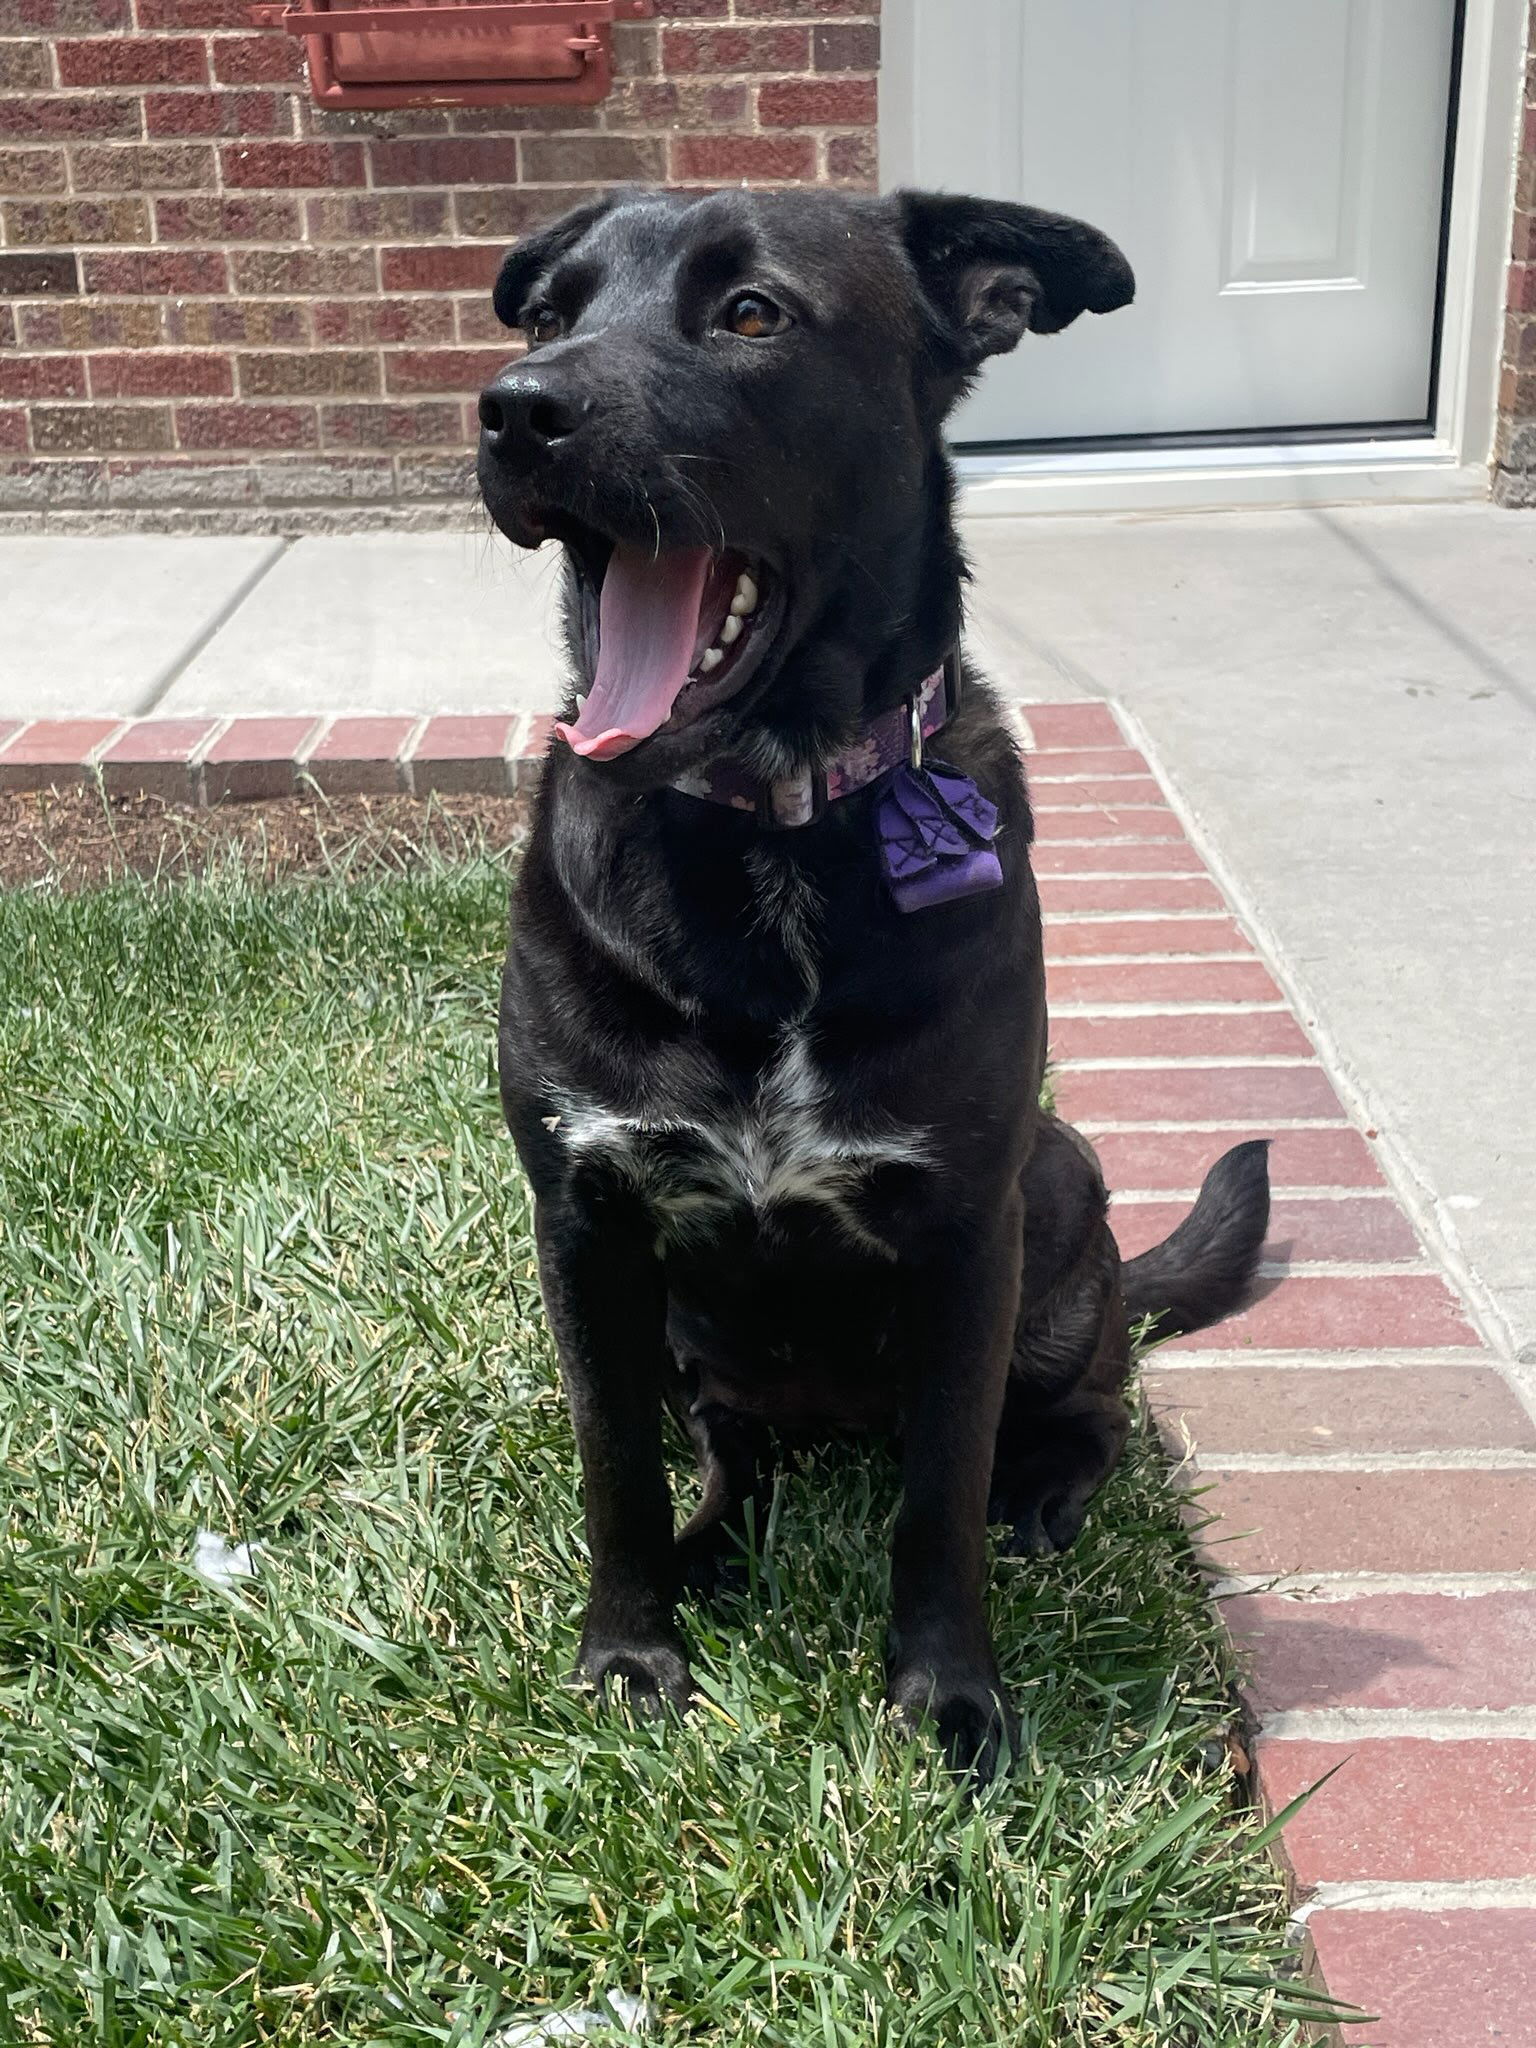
(1321, 1659)
(1278, 1256)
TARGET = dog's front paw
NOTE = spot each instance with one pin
(967, 1709)
(652, 1675)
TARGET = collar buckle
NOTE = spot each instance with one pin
(766, 812)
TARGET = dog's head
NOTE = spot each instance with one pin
(730, 414)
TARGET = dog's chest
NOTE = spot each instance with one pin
(704, 1154)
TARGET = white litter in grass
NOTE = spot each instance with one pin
(221, 1562)
(576, 2024)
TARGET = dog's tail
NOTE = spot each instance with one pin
(1205, 1269)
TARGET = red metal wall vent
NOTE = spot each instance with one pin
(463, 53)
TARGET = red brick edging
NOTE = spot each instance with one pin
(222, 760)
(1365, 1465)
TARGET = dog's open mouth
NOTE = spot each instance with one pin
(677, 632)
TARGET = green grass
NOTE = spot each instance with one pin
(265, 1269)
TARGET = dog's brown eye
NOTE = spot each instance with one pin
(753, 316)
(544, 324)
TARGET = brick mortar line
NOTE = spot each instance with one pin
(519, 733)
(1413, 1724)
(198, 758)
(405, 759)
(1166, 1126)
(1116, 1011)
(1201, 1462)
(1347, 1269)
(1385, 1895)
(1409, 1357)
(303, 752)
(1225, 958)
(1288, 1191)
(1210, 914)
(1413, 1186)
(1131, 1196)
(222, 721)
(406, 756)
(1175, 1062)
(1327, 1589)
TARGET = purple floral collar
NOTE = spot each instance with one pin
(795, 800)
(933, 828)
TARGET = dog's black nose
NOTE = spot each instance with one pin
(524, 414)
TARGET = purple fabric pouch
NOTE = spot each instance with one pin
(936, 830)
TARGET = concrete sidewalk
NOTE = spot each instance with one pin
(174, 627)
(1344, 700)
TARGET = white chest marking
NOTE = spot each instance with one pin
(785, 1146)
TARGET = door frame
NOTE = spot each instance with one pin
(1450, 460)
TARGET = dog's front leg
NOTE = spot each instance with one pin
(606, 1300)
(939, 1658)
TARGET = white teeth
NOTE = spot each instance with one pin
(581, 704)
(732, 626)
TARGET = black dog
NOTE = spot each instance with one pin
(789, 1167)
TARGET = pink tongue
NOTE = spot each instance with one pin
(649, 622)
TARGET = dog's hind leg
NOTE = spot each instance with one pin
(1064, 1421)
(736, 1467)
(1053, 1454)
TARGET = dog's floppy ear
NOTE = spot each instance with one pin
(991, 269)
(534, 254)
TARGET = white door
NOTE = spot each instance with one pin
(1274, 170)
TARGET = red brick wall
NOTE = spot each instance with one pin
(221, 306)
(1514, 476)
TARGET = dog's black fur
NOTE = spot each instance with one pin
(789, 1166)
